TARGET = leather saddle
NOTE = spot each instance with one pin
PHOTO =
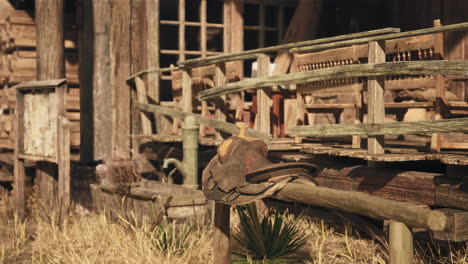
(240, 173)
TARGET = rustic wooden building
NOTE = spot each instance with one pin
(138, 56)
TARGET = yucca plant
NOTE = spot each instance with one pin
(271, 238)
(170, 237)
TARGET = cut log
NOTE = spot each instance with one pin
(363, 204)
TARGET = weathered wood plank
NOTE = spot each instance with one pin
(419, 32)
(142, 98)
(255, 52)
(397, 128)
(264, 102)
(455, 67)
(457, 226)
(376, 100)
(217, 124)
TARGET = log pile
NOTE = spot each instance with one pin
(18, 63)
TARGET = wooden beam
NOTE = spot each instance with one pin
(364, 40)
(217, 124)
(363, 204)
(346, 71)
(228, 57)
(377, 129)
(457, 228)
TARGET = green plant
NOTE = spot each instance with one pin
(171, 237)
(270, 238)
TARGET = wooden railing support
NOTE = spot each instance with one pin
(221, 237)
(401, 243)
(376, 101)
(263, 118)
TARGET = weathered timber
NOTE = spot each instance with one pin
(120, 61)
(457, 226)
(256, 52)
(452, 196)
(94, 73)
(213, 60)
(50, 65)
(151, 199)
(375, 98)
(458, 67)
(363, 204)
(221, 236)
(420, 32)
(396, 128)
(400, 243)
(210, 122)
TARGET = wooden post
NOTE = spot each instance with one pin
(263, 120)
(105, 66)
(401, 243)
(181, 30)
(187, 94)
(50, 48)
(221, 236)
(19, 173)
(153, 60)
(143, 98)
(63, 161)
(95, 85)
(440, 100)
(220, 79)
(203, 17)
(376, 102)
(358, 118)
(50, 65)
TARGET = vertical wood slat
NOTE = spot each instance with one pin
(221, 108)
(440, 89)
(181, 30)
(221, 236)
(153, 49)
(19, 173)
(300, 113)
(358, 118)
(63, 160)
(376, 102)
(227, 29)
(263, 119)
(203, 17)
(143, 98)
(187, 95)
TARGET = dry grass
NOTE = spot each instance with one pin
(103, 239)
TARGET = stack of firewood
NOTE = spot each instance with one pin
(18, 64)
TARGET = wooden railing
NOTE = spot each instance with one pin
(373, 71)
